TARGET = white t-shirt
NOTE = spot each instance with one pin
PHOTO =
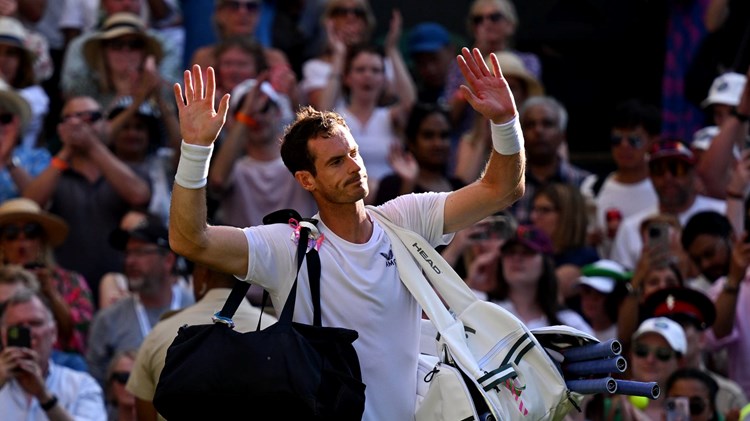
(627, 247)
(361, 290)
(629, 199)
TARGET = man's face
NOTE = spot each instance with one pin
(34, 315)
(145, 265)
(674, 182)
(542, 133)
(711, 254)
(432, 67)
(341, 175)
(629, 147)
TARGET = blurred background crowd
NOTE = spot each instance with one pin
(635, 116)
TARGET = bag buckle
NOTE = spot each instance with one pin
(216, 318)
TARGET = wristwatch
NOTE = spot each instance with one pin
(46, 406)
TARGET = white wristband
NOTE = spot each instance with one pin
(192, 170)
(507, 138)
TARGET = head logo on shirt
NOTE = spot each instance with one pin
(389, 260)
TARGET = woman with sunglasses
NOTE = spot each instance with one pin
(698, 388)
(658, 349)
(27, 237)
(240, 19)
(120, 402)
(347, 23)
(491, 24)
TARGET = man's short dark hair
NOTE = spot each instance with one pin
(706, 222)
(309, 124)
(633, 113)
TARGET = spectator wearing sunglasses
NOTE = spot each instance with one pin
(28, 236)
(122, 59)
(659, 346)
(700, 390)
(672, 172)
(491, 25)
(347, 23)
(86, 172)
(628, 189)
(18, 164)
(120, 402)
(240, 19)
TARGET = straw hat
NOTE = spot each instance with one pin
(22, 209)
(117, 25)
(511, 65)
(14, 103)
(14, 34)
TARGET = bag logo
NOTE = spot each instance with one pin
(389, 260)
(426, 258)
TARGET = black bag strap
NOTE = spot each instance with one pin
(240, 288)
(313, 272)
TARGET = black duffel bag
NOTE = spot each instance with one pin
(287, 371)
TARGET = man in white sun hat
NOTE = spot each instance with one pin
(724, 95)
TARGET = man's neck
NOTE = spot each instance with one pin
(631, 175)
(677, 210)
(544, 171)
(348, 221)
(157, 298)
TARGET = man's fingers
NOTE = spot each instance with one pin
(469, 95)
(189, 90)
(198, 80)
(470, 63)
(496, 65)
(178, 98)
(479, 60)
(224, 106)
(211, 86)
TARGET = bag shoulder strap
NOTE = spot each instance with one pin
(240, 288)
(411, 250)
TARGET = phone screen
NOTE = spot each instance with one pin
(19, 336)
(678, 409)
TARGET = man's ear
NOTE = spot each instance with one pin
(306, 180)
